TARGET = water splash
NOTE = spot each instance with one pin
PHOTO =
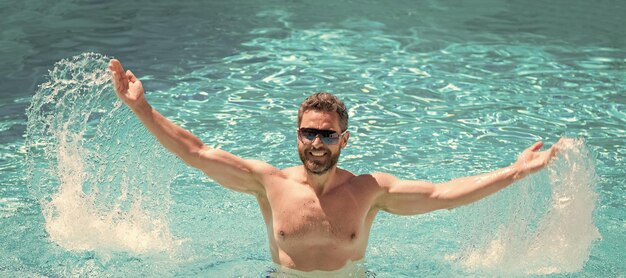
(102, 182)
(553, 236)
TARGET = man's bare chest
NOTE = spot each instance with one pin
(302, 215)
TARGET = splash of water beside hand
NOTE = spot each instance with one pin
(101, 179)
(541, 238)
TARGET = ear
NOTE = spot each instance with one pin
(344, 139)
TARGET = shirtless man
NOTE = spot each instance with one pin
(319, 216)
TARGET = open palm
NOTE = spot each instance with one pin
(532, 160)
(127, 86)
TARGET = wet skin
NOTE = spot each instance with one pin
(318, 221)
(319, 216)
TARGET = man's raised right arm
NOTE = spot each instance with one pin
(225, 168)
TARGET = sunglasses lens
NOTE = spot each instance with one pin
(328, 137)
(308, 135)
(329, 140)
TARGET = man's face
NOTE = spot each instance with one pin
(316, 156)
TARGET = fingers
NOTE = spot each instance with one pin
(120, 79)
(117, 82)
(554, 149)
(131, 76)
(557, 146)
(535, 147)
(116, 67)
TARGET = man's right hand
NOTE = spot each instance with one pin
(127, 86)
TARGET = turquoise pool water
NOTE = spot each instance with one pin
(435, 90)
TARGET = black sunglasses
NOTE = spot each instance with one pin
(328, 137)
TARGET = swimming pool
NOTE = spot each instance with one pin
(435, 91)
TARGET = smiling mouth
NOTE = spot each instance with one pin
(317, 153)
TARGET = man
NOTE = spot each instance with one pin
(319, 216)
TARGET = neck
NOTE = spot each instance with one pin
(321, 183)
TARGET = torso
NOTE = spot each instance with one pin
(310, 232)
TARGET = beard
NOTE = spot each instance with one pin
(318, 165)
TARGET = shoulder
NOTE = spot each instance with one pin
(376, 180)
(293, 171)
(261, 166)
(263, 169)
(384, 180)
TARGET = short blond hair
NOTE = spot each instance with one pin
(325, 102)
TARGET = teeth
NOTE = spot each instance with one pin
(318, 153)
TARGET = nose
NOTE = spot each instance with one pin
(317, 142)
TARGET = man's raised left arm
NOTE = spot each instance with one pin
(409, 197)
